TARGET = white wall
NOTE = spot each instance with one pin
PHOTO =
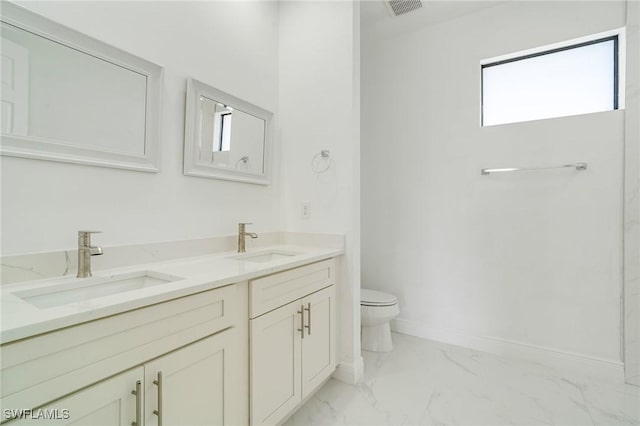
(298, 59)
(230, 45)
(632, 200)
(531, 258)
(319, 109)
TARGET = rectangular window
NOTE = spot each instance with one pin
(576, 79)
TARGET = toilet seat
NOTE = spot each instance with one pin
(376, 298)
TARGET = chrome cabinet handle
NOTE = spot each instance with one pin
(308, 326)
(577, 166)
(138, 394)
(158, 412)
(301, 329)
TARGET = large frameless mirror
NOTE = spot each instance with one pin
(68, 97)
(225, 137)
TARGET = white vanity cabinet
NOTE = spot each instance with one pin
(318, 345)
(184, 387)
(292, 333)
(179, 362)
(110, 402)
(188, 386)
(245, 353)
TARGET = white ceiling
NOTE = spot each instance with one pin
(377, 22)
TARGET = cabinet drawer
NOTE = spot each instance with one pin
(42, 368)
(273, 291)
(109, 402)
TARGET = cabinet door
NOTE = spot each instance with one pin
(187, 386)
(110, 402)
(318, 345)
(275, 364)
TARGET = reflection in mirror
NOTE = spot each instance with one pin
(68, 97)
(58, 93)
(225, 137)
(230, 138)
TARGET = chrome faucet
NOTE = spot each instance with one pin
(85, 251)
(242, 234)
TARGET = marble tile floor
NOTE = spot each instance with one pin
(422, 382)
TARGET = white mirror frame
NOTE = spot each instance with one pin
(192, 167)
(56, 150)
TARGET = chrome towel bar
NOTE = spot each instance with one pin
(577, 166)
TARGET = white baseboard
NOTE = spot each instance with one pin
(610, 370)
(350, 372)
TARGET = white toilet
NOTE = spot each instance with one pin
(376, 310)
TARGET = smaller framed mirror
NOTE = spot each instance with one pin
(225, 137)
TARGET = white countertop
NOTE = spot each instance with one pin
(21, 319)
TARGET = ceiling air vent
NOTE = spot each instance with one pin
(400, 7)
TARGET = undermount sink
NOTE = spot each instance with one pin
(72, 290)
(265, 256)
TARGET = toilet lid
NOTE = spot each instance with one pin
(376, 298)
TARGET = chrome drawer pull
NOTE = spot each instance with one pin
(138, 394)
(158, 412)
(301, 329)
(308, 326)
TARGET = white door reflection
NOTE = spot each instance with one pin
(15, 88)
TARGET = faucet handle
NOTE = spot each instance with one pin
(84, 237)
(241, 226)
